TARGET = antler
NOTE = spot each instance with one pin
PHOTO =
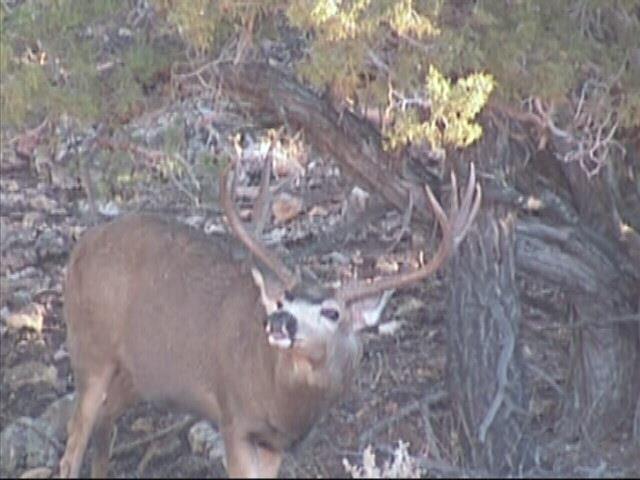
(260, 213)
(273, 262)
(454, 230)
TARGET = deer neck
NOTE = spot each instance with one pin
(325, 368)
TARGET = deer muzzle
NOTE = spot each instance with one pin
(281, 328)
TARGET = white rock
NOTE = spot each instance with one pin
(206, 441)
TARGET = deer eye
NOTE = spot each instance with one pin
(330, 313)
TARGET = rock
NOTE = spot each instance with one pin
(195, 221)
(318, 211)
(29, 272)
(11, 185)
(61, 177)
(4, 229)
(206, 441)
(142, 424)
(18, 297)
(60, 354)
(286, 207)
(29, 373)
(338, 258)
(31, 317)
(17, 290)
(50, 244)
(109, 209)
(386, 265)
(33, 219)
(358, 198)
(408, 306)
(42, 161)
(57, 415)
(390, 327)
(288, 163)
(159, 450)
(36, 444)
(17, 250)
(124, 32)
(28, 443)
(42, 202)
(38, 472)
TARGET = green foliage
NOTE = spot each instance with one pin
(196, 20)
(144, 60)
(116, 176)
(453, 108)
(549, 49)
(357, 19)
(205, 24)
(58, 57)
(349, 36)
(430, 64)
(577, 54)
(363, 36)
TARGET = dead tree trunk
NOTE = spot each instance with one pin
(604, 386)
(484, 370)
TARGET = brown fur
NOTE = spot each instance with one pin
(158, 311)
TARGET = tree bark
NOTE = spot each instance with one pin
(485, 371)
(605, 378)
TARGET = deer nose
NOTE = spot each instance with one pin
(282, 322)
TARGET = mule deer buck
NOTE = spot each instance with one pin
(158, 311)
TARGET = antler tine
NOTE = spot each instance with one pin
(437, 208)
(261, 206)
(454, 193)
(468, 215)
(456, 208)
(454, 230)
(254, 246)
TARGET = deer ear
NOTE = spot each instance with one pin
(271, 290)
(366, 312)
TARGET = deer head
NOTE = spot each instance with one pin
(299, 311)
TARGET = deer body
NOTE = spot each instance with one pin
(158, 311)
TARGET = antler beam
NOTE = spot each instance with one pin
(258, 249)
(454, 229)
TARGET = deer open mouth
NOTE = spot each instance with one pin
(281, 329)
(280, 340)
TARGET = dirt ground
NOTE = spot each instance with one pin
(400, 393)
